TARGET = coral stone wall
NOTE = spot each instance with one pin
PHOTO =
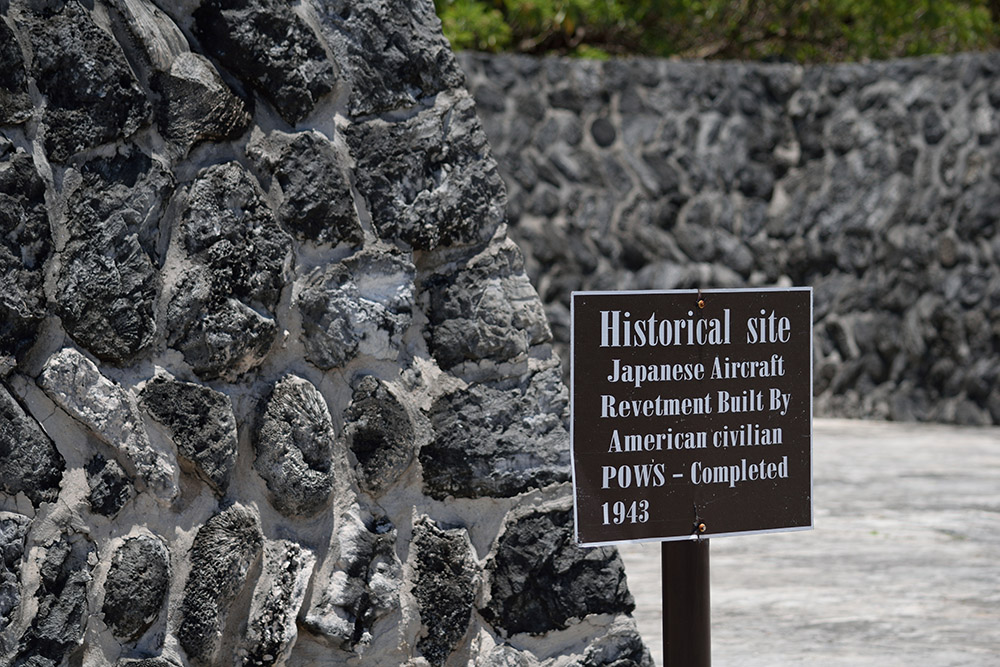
(274, 386)
(877, 184)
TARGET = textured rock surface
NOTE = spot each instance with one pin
(15, 105)
(13, 530)
(59, 623)
(91, 94)
(238, 258)
(877, 185)
(316, 199)
(201, 424)
(380, 434)
(195, 104)
(110, 486)
(222, 555)
(270, 47)
(294, 447)
(260, 323)
(107, 285)
(541, 581)
(484, 310)
(428, 179)
(29, 461)
(79, 388)
(136, 586)
(393, 54)
(360, 306)
(444, 587)
(364, 583)
(272, 627)
(482, 446)
(25, 245)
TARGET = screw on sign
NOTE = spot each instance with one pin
(691, 417)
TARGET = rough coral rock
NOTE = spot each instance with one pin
(363, 584)
(445, 587)
(294, 445)
(316, 199)
(91, 94)
(272, 627)
(380, 434)
(136, 586)
(201, 424)
(392, 53)
(195, 104)
(540, 580)
(61, 618)
(482, 446)
(271, 48)
(110, 486)
(192, 102)
(224, 551)
(240, 257)
(13, 530)
(426, 178)
(15, 105)
(219, 336)
(484, 309)
(108, 284)
(78, 387)
(360, 306)
(30, 463)
(228, 228)
(25, 245)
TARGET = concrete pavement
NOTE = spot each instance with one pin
(902, 568)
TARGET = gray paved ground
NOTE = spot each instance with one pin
(902, 568)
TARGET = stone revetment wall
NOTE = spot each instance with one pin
(274, 385)
(877, 184)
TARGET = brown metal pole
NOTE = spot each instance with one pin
(687, 614)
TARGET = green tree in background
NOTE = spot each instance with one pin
(790, 30)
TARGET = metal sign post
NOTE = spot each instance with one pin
(691, 417)
(687, 612)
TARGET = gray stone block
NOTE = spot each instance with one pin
(62, 613)
(483, 447)
(25, 246)
(15, 105)
(13, 530)
(293, 446)
(361, 587)
(92, 95)
(428, 179)
(201, 424)
(460, 329)
(360, 306)
(540, 580)
(29, 461)
(268, 45)
(110, 486)
(445, 587)
(392, 53)
(380, 434)
(136, 587)
(316, 199)
(225, 550)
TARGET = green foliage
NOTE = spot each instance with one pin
(791, 30)
(472, 24)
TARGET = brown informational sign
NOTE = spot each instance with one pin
(691, 413)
